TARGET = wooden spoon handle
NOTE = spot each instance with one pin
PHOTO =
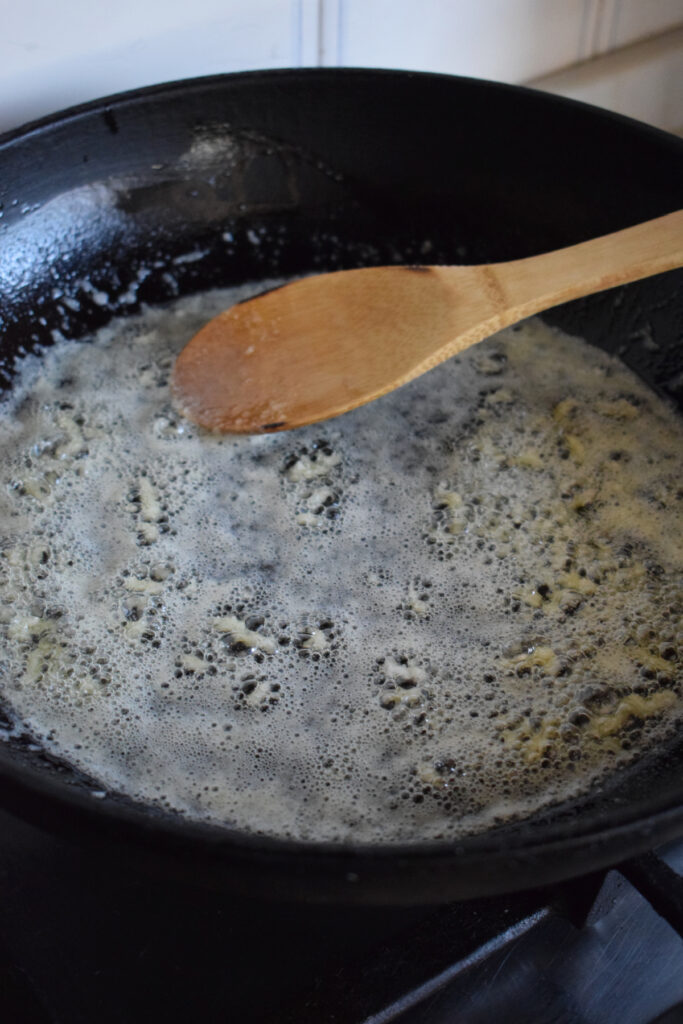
(524, 287)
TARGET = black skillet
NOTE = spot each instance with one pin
(274, 173)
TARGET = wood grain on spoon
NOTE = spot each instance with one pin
(324, 345)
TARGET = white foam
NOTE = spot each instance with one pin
(413, 621)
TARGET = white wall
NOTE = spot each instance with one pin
(54, 53)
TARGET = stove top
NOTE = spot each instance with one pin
(80, 943)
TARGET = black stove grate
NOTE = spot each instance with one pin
(79, 943)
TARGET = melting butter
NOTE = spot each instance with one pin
(458, 604)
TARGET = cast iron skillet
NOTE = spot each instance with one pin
(221, 180)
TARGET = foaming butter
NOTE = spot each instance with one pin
(458, 604)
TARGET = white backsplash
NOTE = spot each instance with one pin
(624, 54)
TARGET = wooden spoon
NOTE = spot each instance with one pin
(323, 345)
